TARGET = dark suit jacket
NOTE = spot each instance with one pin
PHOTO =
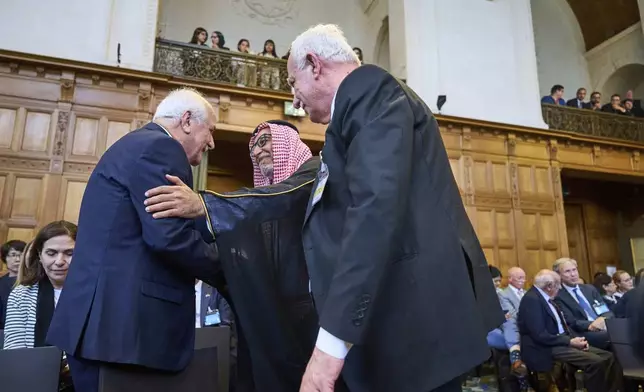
(575, 315)
(389, 225)
(573, 103)
(6, 285)
(129, 295)
(539, 332)
(211, 298)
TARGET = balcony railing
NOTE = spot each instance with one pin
(220, 66)
(594, 123)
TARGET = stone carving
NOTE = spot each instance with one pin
(268, 12)
(9, 163)
(61, 133)
(81, 168)
(66, 90)
(514, 184)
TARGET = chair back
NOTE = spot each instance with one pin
(18, 367)
(619, 332)
(208, 370)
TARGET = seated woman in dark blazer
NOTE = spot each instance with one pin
(41, 276)
(607, 288)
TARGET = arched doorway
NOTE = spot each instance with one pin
(628, 77)
(381, 52)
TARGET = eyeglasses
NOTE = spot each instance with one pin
(261, 141)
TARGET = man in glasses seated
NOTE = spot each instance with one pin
(260, 245)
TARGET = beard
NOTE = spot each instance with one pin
(267, 170)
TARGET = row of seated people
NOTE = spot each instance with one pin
(557, 320)
(627, 107)
(617, 291)
(244, 73)
(29, 292)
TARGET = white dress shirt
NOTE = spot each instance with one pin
(198, 287)
(545, 296)
(326, 342)
(518, 292)
(56, 296)
(571, 290)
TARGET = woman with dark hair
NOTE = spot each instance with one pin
(358, 53)
(199, 36)
(606, 287)
(40, 281)
(245, 69)
(10, 255)
(218, 41)
(270, 72)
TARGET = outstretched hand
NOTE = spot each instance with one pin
(176, 200)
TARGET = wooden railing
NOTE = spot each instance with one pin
(220, 66)
(594, 123)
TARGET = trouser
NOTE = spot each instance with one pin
(601, 373)
(84, 374)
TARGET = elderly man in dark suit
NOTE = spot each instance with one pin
(545, 338)
(384, 220)
(129, 295)
(583, 306)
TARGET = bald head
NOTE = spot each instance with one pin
(516, 277)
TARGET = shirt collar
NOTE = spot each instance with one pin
(543, 294)
(333, 105)
(164, 130)
(571, 290)
(515, 290)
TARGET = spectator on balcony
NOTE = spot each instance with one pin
(578, 101)
(358, 53)
(595, 101)
(555, 97)
(628, 108)
(270, 73)
(217, 41)
(199, 36)
(614, 106)
(244, 68)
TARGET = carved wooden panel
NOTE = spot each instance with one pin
(27, 191)
(36, 133)
(20, 233)
(85, 137)
(7, 127)
(601, 234)
(115, 131)
(72, 191)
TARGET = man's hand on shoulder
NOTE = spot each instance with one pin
(321, 372)
(176, 200)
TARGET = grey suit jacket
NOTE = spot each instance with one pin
(510, 301)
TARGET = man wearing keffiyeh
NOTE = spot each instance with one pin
(260, 246)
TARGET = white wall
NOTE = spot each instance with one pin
(83, 30)
(478, 53)
(238, 19)
(560, 47)
(619, 51)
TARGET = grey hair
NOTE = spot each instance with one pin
(183, 100)
(561, 261)
(546, 278)
(325, 40)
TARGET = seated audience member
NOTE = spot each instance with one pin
(40, 280)
(606, 287)
(545, 338)
(211, 307)
(507, 336)
(358, 53)
(578, 101)
(555, 97)
(595, 101)
(626, 306)
(10, 255)
(199, 37)
(220, 41)
(583, 306)
(628, 108)
(511, 296)
(614, 106)
(623, 281)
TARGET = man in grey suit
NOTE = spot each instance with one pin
(511, 296)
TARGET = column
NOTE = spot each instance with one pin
(479, 53)
(397, 48)
(133, 24)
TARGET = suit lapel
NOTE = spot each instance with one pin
(547, 306)
(310, 206)
(570, 301)
(514, 298)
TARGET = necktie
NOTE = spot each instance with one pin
(584, 305)
(561, 316)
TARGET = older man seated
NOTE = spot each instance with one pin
(582, 305)
(545, 338)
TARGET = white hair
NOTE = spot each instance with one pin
(326, 41)
(561, 261)
(545, 278)
(183, 100)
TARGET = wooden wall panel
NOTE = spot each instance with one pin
(85, 137)
(37, 131)
(7, 124)
(115, 131)
(27, 192)
(71, 197)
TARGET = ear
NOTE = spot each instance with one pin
(185, 121)
(315, 62)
